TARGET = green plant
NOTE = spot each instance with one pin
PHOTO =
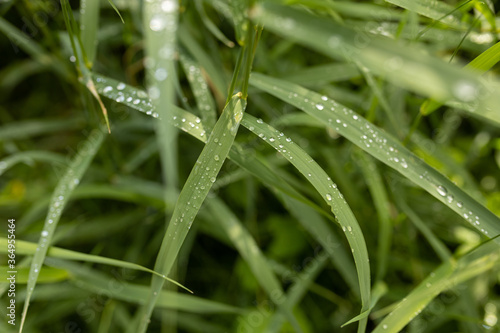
(364, 198)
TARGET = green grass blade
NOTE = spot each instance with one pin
(29, 157)
(192, 196)
(28, 248)
(330, 194)
(382, 205)
(481, 64)
(89, 25)
(249, 250)
(60, 197)
(412, 69)
(160, 20)
(204, 100)
(47, 274)
(383, 147)
(449, 274)
(436, 10)
(323, 74)
(28, 128)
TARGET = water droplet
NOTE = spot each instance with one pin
(120, 98)
(441, 190)
(465, 91)
(137, 101)
(107, 89)
(260, 121)
(384, 326)
(460, 204)
(45, 233)
(324, 98)
(168, 6)
(157, 23)
(328, 197)
(212, 179)
(161, 74)
(216, 157)
(271, 139)
(121, 86)
(320, 107)
(288, 140)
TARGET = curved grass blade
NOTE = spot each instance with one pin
(60, 197)
(410, 67)
(211, 26)
(29, 248)
(29, 157)
(383, 147)
(451, 273)
(192, 196)
(249, 250)
(331, 195)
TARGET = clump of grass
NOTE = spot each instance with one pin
(359, 194)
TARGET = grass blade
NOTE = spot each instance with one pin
(60, 197)
(412, 69)
(330, 194)
(192, 196)
(383, 147)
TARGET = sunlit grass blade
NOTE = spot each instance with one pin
(28, 248)
(60, 197)
(405, 65)
(47, 274)
(330, 194)
(192, 196)
(249, 250)
(383, 147)
(449, 274)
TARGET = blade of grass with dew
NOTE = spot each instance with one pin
(189, 123)
(217, 79)
(238, 10)
(60, 197)
(379, 195)
(29, 248)
(192, 196)
(383, 147)
(412, 68)
(28, 157)
(250, 252)
(451, 273)
(481, 64)
(89, 25)
(160, 19)
(330, 194)
(97, 282)
(204, 100)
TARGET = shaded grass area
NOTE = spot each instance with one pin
(362, 186)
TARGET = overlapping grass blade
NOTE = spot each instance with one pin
(29, 248)
(383, 147)
(406, 66)
(449, 274)
(186, 121)
(192, 196)
(249, 250)
(60, 197)
(330, 194)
